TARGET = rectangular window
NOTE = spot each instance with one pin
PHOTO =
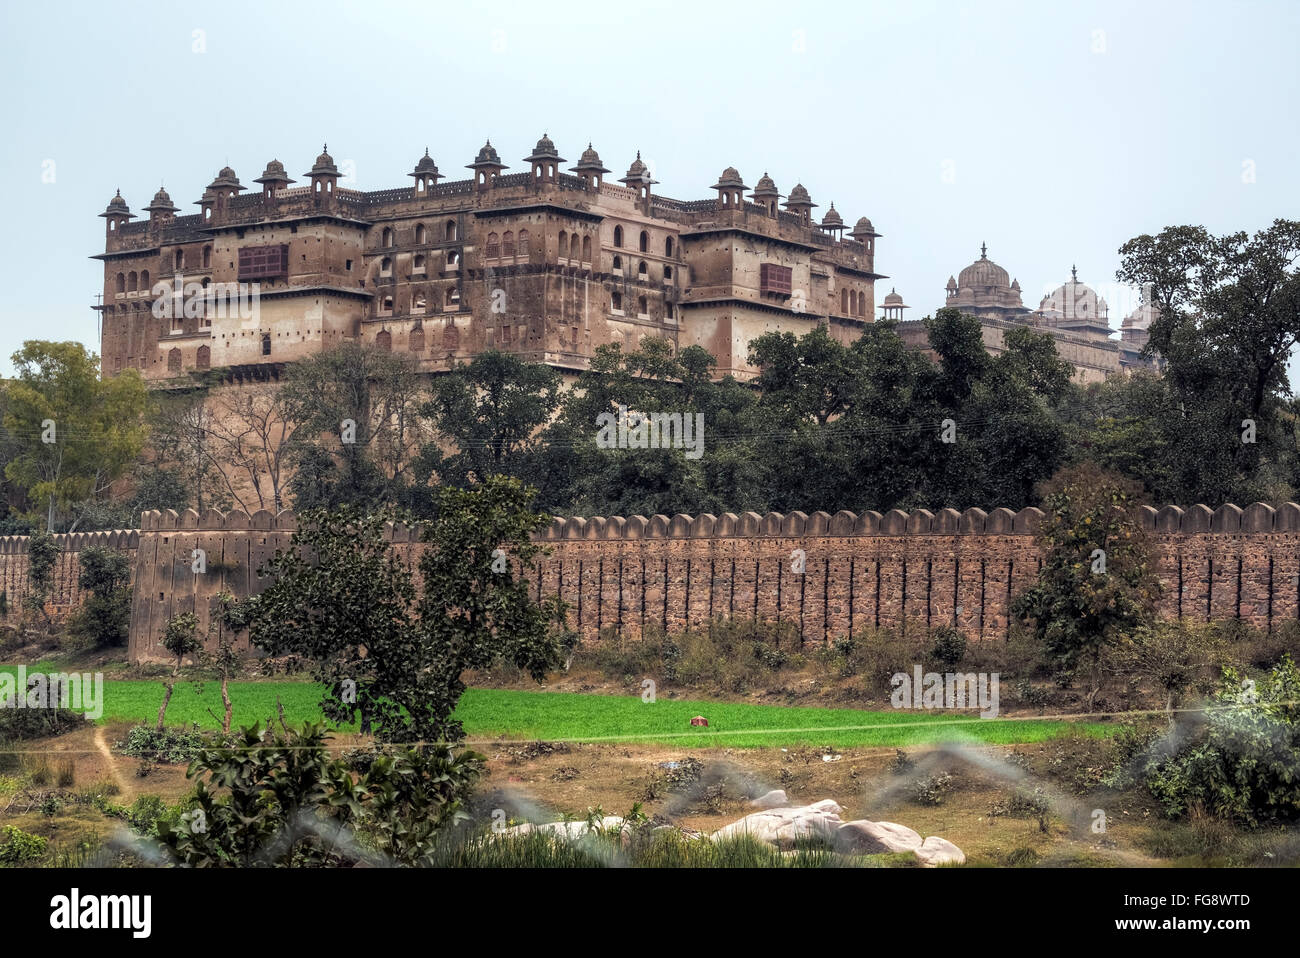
(263, 262)
(775, 279)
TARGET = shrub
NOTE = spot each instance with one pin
(1240, 760)
(17, 847)
(949, 646)
(172, 746)
(18, 725)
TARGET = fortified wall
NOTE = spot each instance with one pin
(65, 594)
(899, 570)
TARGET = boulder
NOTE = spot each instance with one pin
(773, 799)
(875, 838)
(936, 851)
(783, 827)
(565, 830)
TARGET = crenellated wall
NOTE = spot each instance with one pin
(65, 595)
(899, 570)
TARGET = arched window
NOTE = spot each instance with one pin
(618, 236)
(450, 336)
(586, 249)
(564, 244)
(668, 246)
(668, 274)
(204, 358)
(862, 303)
(493, 246)
(508, 244)
(386, 238)
(453, 261)
(641, 309)
(266, 344)
(618, 264)
(523, 243)
(131, 282)
(421, 234)
(174, 360)
(417, 264)
(415, 341)
(144, 279)
(450, 230)
(616, 300)
(419, 302)
(645, 242)
(384, 341)
(452, 299)
(180, 259)
(386, 306)
(844, 300)
(207, 257)
(575, 248)
(386, 267)
(642, 271)
(121, 282)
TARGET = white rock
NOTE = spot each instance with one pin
(773, 799)
(939, 851)
(785, 826)
(875, 838)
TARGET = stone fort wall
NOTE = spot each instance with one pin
(899, 570)
(65, 594)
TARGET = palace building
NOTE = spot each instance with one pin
(1073, 314)
(547, 264)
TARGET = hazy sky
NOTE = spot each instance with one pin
(1052, 132)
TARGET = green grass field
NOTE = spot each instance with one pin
(489, 714)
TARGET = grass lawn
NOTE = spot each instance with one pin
(495, 713)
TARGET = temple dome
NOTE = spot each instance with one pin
(1074, 302)
(983, 272)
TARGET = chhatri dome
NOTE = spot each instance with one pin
(1075, 305)
(985, 290)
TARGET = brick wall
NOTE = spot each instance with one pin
(899, 570)
(65, 594)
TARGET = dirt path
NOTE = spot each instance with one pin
(101, 744)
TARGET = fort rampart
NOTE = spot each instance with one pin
(827, 576)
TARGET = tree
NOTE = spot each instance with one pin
(42, 555)
(76, 433)
(1096, 582)
(180, 638)
(105, 616)
(362, 405)
(343, 598)
(1177, 656)
(491, 412)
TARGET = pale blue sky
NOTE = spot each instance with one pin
(1064, 129)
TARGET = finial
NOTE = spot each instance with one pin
(1074, 274)
(984, 250)
(325, 148)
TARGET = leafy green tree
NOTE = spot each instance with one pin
(105, 616)
(273, 800)
(181, 639)
(1096, 582)
(77, 433)
(343, 598)
(491, 414)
